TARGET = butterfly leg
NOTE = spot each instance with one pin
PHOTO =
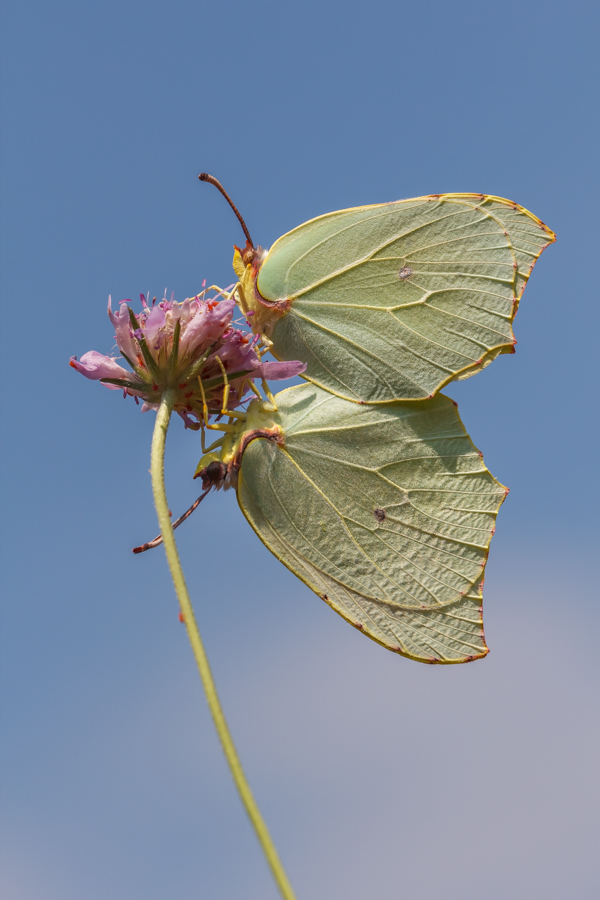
(226, 383)
(215, 287)
(239, 298)
(214, 426)
(231, 414)
(270, 396)
(213, 446)
(255, 390)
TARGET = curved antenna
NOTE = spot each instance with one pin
(204, 176)
(158, 539)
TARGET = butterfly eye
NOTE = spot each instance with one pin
(405, 272)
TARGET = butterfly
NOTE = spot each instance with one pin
(363, 480)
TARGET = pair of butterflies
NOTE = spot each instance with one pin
(373, 493)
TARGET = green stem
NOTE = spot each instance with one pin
(164, 520)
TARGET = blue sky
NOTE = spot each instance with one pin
(379, 777)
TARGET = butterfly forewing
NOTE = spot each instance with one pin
(395, 300)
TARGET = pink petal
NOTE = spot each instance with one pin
(94, 365)
(122, 325)
(278, 371)
(111, 315)
(236, 354)
(155, 322)
(206, 326)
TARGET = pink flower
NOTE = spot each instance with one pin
(174, 345)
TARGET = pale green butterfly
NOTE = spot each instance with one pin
(364, 482)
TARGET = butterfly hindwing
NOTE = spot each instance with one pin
(386, 512)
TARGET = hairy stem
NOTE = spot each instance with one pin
(164, 520)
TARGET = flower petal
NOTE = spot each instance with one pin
(126, 343)
(206, 326)
(94, 365)
(111, 314)
(194, 424)
(278, 371)
(237, 353)
(155, 322)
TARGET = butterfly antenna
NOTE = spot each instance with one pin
(158, 539)
(204, 176)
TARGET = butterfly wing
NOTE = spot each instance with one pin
(395, 300)
(386, 512)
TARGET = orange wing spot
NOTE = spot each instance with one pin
(181, 617)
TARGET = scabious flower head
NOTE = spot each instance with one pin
(174, 345)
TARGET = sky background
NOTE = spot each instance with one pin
(379, 777)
